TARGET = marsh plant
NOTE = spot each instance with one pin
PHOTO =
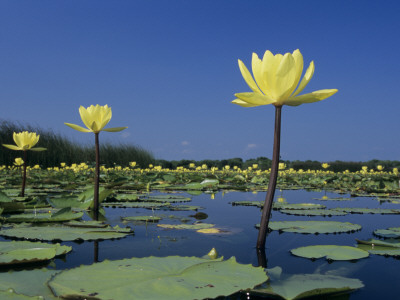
(95, 118)
(276, 81)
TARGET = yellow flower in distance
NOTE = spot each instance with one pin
(95, 118)
(325, 165)
(25, 141)
(282, 166)
(275, 80)
(19, 161)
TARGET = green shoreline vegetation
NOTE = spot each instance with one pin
(62, 150)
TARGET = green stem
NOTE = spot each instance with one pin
(24, 174)
(96, 178)
(266, 212)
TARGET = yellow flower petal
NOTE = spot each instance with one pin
(306, 79)
(77, 127)
(310, 98)
(247, 77)
(12, 147)
(242, 103)
(115, 129)
(254, 98)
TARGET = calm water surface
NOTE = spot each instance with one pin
(380, 275)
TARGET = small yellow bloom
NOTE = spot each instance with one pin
(227, 167)
(379, 167)
(95, 118)
(62, 165)
(282, 166)
(25, 141)
(325, 165)
(19, 161)
(276, 78)
(255, 166)
(132, 164)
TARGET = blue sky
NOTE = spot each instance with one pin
(169, 70)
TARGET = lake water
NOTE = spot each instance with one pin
(380, 275)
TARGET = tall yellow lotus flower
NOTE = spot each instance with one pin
(25, 141)
(18, 161)
(275, 80)
(95, 118)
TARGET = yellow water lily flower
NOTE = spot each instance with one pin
(25, 141)
(282, 166)
(325, 165)
(275, 80)
(95, 118)
(18, 161)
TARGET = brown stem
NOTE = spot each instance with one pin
(266, 212)
(24, 174)
(96, 178)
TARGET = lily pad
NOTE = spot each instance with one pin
(29, 283)
(278, 205)
(313, 212)
(166, 198)
(389, 247)
(142, 219)
(331, 252)
(167, 278)
(248, 203)
(148, 205)
(392, 243)
(334, 199)
(393, 232)
(187, 226)
(12, 295)
(86, 224)
(313, 226)
(23, 252)
(361, 210)
(63, 215)
(302, 286)
(65, 233)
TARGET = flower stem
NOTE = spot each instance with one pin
(96, 178)
(266, 212)
(24, 175)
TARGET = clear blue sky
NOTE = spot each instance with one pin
(169, 70)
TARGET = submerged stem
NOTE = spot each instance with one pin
(96, 178)
(266, 212)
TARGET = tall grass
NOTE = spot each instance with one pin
(60, 149)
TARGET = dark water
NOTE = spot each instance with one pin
(380, 275)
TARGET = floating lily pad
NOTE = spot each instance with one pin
(63, 215)
(65, 233)
(393, 232)
(166, 198)
(86, 224)
(29, 283)
(313, 226)
(10, 294)
(331, 252)
(389, 247)
(392, 243)
(127, 197)
(302, 286)
(184, 207)
(248, 203)
(313, 212)
(278, 205)
(167, 278)
(148, 205)
(360, 210)
(210, 230)
(187, 226)
(23, 252)
(142, 219)
(334, 199)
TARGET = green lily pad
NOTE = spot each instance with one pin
(167, 278)
(86, 224)
(277, 205)
(331, 252)
(148, 205)
(12, 295)
(127, 197)
(313, 212)
(22, 252)
(302, 286)
(313, 226)
(334, 199)
(187, 226)
(393, 232)
(4, 197)
(142, 219)
(29, 283)
(248, 203)
(166, 198)
(392, 243)
(360, 210)
(64, 214)
(65, 233)
(184, 207)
